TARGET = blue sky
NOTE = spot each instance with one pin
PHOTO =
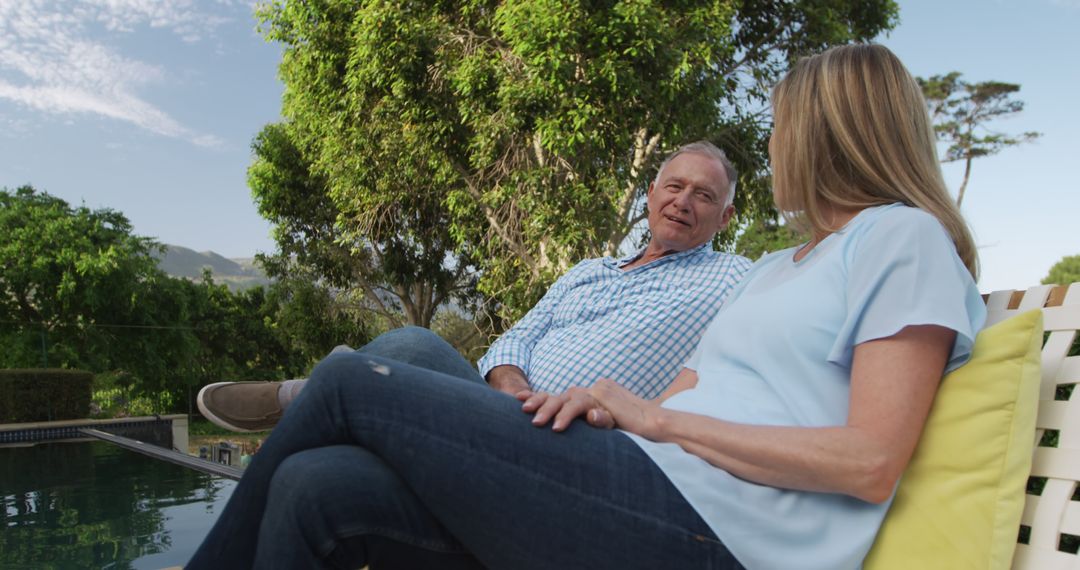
(149, 107)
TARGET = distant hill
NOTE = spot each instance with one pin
(237, 274)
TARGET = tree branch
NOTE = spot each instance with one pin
(378, 306)
(629, 227)
(643, 151)
(489, 214)
(755, 49)
(371, 291)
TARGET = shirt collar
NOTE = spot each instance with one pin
(617, 263)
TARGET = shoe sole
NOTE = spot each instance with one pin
(206, 413)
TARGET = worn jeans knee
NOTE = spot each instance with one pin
(423, 348)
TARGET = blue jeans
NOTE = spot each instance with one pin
(391, 465)
(420, 347)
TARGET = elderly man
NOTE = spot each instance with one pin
(634, 320)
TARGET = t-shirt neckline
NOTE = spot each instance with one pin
(843, 229)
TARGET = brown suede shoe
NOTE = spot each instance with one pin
(241, 406)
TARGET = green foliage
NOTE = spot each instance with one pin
(466, 335)
(962, 113)
(519, 137)
(79, 290)
(309, 321)
(120, 403)
(765, 235)
(1064, 272)
(261, 334)
(44, 395)
(64, 269)
(396, 266)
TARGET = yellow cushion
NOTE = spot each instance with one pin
(960, 500)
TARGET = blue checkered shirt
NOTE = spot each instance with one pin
(637, 327)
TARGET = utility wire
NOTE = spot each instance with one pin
(103, 325)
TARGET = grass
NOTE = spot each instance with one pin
(202, 432)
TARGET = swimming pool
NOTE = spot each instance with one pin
(95, 505)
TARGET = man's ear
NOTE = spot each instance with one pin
(725, 217)
(648, 194)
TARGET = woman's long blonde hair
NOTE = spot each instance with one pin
(852, 131)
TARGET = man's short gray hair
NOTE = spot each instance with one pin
(706, 148)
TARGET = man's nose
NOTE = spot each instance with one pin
(682, 201)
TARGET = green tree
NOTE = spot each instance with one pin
(962, 113)
(309, 320)
(252, 334)
(68, 271)
(154, 348)
(519, 137)
(765, 235)
(80, 290)
(401, 265)
(1064, 272)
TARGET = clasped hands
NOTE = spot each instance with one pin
(605, 404)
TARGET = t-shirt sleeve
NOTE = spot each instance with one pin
(904, 271)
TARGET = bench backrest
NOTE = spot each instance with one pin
(1050, 532)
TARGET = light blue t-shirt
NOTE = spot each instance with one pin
(779, 353)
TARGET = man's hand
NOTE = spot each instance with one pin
(508, 379)
(564, 407)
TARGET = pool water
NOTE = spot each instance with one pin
(94, 505)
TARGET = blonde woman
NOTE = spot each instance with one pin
(778, 446)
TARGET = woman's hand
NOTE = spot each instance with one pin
(564, 408)
(628, 411)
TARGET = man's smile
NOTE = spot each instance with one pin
(677, 220)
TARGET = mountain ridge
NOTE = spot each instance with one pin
(236, 273)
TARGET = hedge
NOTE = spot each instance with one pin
(39, 395)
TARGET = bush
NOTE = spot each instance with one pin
(39, 395)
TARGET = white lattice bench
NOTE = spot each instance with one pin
(1050, 532)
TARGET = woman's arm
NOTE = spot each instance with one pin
(893, 382)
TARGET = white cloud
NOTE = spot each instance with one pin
(13, 127)
(53, 60)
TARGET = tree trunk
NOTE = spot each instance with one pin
(964, 183)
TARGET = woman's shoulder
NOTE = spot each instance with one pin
(897, 233)
(897, 217)
(895, 224)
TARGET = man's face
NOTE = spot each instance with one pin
(688, 202)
